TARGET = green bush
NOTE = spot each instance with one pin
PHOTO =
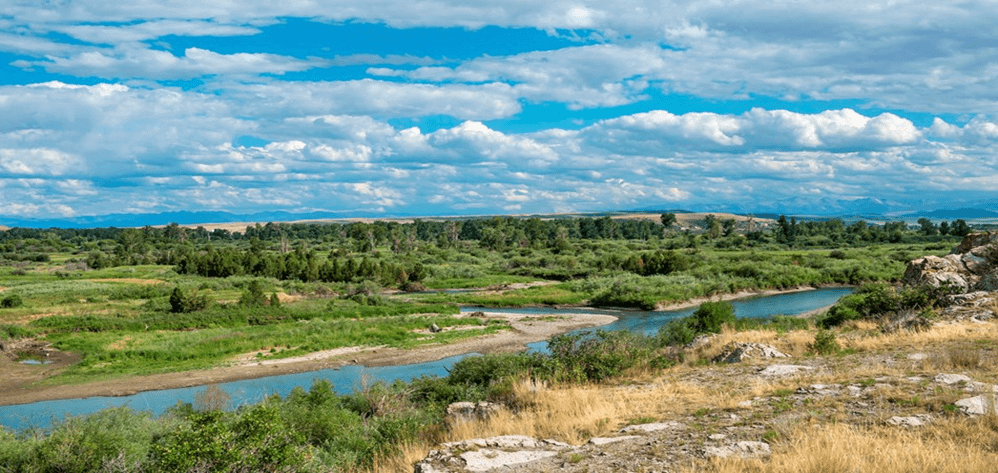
(13, 332)
(599, 356)
(11, 301)
(709, 317)
(117, 436)
(824, 343)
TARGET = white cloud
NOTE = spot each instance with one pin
(376, 98)
(37, 162)
(140, 62)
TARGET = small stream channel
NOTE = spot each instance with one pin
(351, 377)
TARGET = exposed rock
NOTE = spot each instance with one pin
(977, 305)
(701, 340)
(976, 243)
(979, 405)
(949, 379)
(968, 267)
(480, 455)
(740, 449)
(910, 421)
(735, 352)
(906, 321)
(608, 440)
(653, 427)
(467, 411)
(937, 271)
(783, 370)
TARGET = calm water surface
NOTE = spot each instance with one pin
(350, 378)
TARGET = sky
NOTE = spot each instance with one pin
(442, 107)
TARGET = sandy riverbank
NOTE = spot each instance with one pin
(20, 381)
(20, 385)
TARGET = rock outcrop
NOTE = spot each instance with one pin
(968, 267)
(480, 455)
(735, 352)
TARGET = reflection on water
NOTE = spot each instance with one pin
(351, 377)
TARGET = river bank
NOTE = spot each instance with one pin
(21, 384)
(25, 383)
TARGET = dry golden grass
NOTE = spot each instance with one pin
(937, 334)
(574, 414)
(792, 343)
(811, 443)
(949, 445)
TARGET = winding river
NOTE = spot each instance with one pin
(351, 377)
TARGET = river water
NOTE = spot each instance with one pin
(351, 377)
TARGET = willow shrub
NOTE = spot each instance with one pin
(710, 317)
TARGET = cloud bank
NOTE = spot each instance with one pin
(123, 107)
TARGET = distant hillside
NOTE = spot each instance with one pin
(961, 213)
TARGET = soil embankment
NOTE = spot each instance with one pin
(24, 383)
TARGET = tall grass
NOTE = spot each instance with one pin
(948, 445)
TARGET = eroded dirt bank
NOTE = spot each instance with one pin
(21, 382)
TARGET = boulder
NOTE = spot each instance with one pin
(480, 455)
(979, 405)
(735, 352)
(468, 411)
(910, 421)
(950, 379)
(968, 267)
(937, 271)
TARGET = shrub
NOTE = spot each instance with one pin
(11, 301)
(710, 317)
(13, 332)
(592, 358)
(92, 442)
(824, 343)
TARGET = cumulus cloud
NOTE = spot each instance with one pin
(658, 132)
(140, 62)
(340, 134)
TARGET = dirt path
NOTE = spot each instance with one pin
(20, 384)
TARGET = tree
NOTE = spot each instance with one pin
(712, 226)
(253, 296)
(959, 228)
(928, 228)
(668, 220)
(728, 225)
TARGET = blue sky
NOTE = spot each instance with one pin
(452, 108)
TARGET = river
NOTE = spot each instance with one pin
(351, 377)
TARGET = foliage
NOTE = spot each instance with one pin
(883, 302)
(824, 343)
(14, 332)
(11, 301)
(709, 317)
(190, 302)
(113, 437)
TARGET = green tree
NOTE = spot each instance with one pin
(928, 228)
(959, 228)
(668, 220)
(253, 295)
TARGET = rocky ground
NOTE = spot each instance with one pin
(750, 400)
(768, 398)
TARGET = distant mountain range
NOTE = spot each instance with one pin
(870, 209)
(960, 213)
(182, 218)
